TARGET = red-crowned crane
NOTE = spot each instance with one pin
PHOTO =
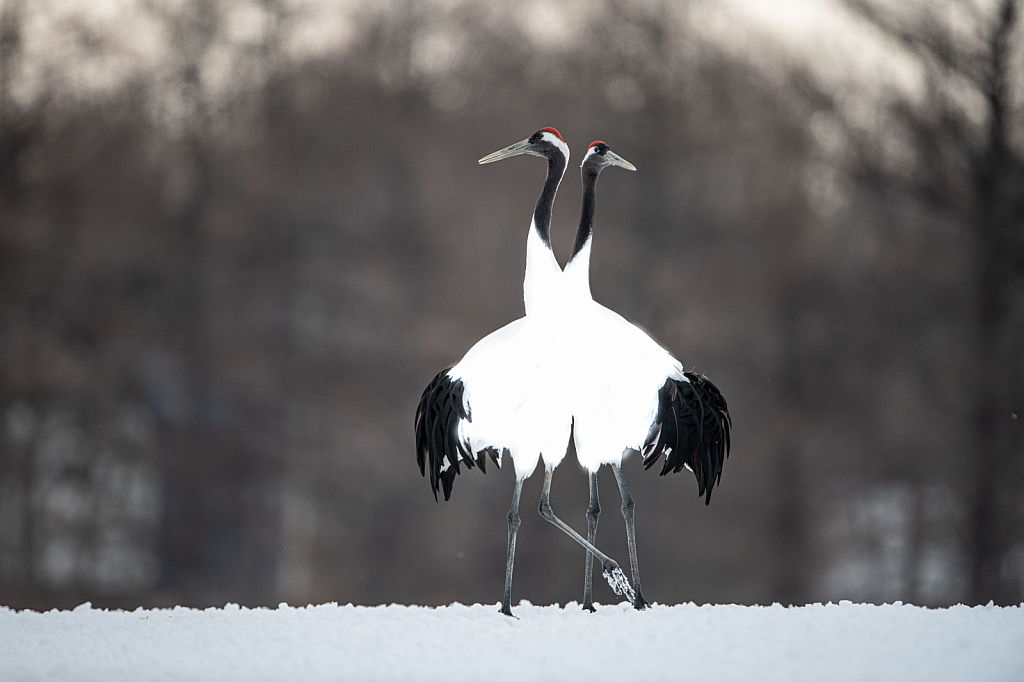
(628, 393)
(508, 393)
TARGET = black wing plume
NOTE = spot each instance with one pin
(438, 446)
(691, 430)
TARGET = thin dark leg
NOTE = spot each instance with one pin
(513, 526)
(593, 513)
(627, 513)
(611, 571)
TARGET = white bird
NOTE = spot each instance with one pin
(628, 393)
(508, 393)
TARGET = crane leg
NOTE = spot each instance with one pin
(627, 513)
(513, 527)
(593, 513)
(611, 571)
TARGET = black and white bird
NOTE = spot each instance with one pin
(628, 393)
(509, 392)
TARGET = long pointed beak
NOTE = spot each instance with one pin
(617, 160)
(518, 148)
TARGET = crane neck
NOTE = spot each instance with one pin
(542, 211)
(577, 270)
(542, 285)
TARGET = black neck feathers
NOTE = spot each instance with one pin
(586, 226)
(542, 213)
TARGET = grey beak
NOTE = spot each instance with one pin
(617, 160)
(518, 148)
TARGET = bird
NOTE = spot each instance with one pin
(628, 393)
(507, 394)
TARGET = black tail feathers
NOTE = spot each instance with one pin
(691, 430)
(438, 446)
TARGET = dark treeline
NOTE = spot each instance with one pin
(220, 304)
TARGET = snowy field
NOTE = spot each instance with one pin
(832, 642)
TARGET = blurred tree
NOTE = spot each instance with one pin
(966, 134)
(13, 132)
(218, 472)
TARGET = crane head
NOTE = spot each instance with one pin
(546, 142)
(599, 156)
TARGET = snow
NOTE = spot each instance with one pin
(844, 641)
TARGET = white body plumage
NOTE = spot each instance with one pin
(616, 372)
(514, 377)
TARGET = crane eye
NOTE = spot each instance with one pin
(535, 137)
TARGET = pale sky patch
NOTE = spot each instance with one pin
(839, 49)
(842, 51)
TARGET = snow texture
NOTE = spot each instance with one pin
(686, 642)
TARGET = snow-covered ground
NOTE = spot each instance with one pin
(330, 642)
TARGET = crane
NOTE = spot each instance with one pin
(628, 393)
(508, 393)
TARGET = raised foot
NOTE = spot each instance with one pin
(589, 607)
(639, 603)
(617, 581)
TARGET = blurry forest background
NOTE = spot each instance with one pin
(238, 238)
